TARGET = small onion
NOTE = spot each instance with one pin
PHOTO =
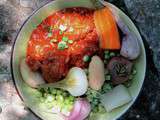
(80, 111)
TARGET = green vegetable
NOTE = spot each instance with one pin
(60, 32)
(106, 56)
(112, 54)
(65, 39)
(108, 77)
(62, 45)
(106, 87)
(134, 72)
(50, 34)
(53, 41)
(106, 52)
(70, 41)
(50, 98)
(86, 58)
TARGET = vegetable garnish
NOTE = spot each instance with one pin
(70, 41)
(81, 110)
(53, 41)
(86, 58)
(62, 45)
(50, 34)
(115, 98)
(75, 83)
(107, 29)
(71, 29)
(63, 28)
(60, 32)
(65, 39)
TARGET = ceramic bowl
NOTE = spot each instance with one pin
(30, 96)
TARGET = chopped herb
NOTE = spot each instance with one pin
(108, 77)
(71, 29)
(130, 77)
(65, 39)
(112, 54)
(106, 56)
(62, 45)
(106, 52)
(134, 72)
(70, 41)
(86, 58)
(62, 28)
(49, 34)
(53, 41)
(50, 29)
(105, 61)
(66, 46)
(60, 32)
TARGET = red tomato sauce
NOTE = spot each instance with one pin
(61, 41)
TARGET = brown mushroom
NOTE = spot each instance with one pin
(120, 69)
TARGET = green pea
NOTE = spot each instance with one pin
(106, 56)
(65, 94)
(50, 98)
(59, 92)
(108, 77)
(71, 98)
(112, 54)
(62, 45)
(65, 39)
(130, 77)
(106, 52)
(86, 58)
(54, 92)
(105, 61)
(60, 32)
(67, 101)
(134, 72)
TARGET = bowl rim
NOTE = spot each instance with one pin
(15, 40)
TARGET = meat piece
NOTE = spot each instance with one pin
(120, 69)
(54, 68)
(44, 55)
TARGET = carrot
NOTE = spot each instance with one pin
(107, 29)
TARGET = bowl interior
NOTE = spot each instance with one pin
(30, 96)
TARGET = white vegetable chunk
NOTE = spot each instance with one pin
(96, 73)
(119, 96)
(33, 79)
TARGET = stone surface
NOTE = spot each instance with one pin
(145, 14)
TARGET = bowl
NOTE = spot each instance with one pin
(30, 96)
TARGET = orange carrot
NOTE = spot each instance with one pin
(107, 29)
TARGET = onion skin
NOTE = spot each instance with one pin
(81, 110)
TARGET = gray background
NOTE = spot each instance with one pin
(144, 13)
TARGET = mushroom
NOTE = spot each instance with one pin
(120, 69)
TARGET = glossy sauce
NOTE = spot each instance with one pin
(75, 29)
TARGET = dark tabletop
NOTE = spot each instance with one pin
(146, 16)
